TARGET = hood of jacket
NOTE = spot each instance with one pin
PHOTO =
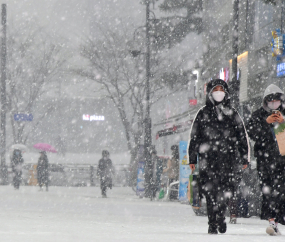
(210, 87)
(271, 89)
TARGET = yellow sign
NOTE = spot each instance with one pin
(33, 181)
(184, 160)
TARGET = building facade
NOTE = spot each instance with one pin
(256, 66)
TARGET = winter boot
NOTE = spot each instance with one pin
(272, 229)
(276, 229)
(212, 228)
(233, 219)
(222, 225)
(104, 195)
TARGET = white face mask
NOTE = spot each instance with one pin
(274, 105)
(218, 96)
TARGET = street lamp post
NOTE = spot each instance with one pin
(3, 96)
(147, 138)
(235, 85)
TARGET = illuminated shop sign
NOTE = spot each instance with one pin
(87, 117)
(281, 69)
(224, 74)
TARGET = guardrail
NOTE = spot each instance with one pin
(71, 175)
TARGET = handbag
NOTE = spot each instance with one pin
(279, 132)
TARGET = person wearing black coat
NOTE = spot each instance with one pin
(270, 164)
(218, 141)
(42, 170)
(16, 163)
(104, 171)
(157, 168)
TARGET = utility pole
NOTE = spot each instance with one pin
(235, 83)
(282, 10)
(3, 96)
(147, 137)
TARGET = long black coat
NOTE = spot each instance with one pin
(16, 160)
(104, 171)
(42, 170)
(218, 140)
(270, 164)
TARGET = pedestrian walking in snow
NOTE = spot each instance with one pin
(172, 170)
(105, 171)
(42, 170)
(156, 172)
(270, 164)
(16, 163)
(218, 141)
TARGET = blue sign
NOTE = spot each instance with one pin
(280, 69)
(140, 175)
(184, 170)
(23, 117)
(278, 44)
(140, 179)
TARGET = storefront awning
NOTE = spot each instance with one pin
(178, 128)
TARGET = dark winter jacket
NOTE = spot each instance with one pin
(157, 171)
(105, 170)
(270, 164)
(218, 140)
(17, 159)
(42, 168)
(266, 149)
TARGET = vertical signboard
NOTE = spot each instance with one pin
(184, 171)
(140, 175)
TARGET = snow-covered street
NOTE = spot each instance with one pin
(80, 214)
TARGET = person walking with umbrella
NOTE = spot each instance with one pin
(42, 170)
(16, 163)
(218, 141)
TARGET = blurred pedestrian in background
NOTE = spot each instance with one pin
(156, 172)
(105, 171)
(16, 163)
(172, 170)
(270, 164)
(43, 171)
(218, 141)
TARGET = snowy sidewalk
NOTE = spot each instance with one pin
(80, 214)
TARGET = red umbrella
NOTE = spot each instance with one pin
(45, 147)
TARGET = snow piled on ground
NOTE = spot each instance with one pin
(68, 214)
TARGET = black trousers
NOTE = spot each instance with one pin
(217, 198)
(42, 178)
(173, 194)
(273, 203)
(17, 177)
(104, 184)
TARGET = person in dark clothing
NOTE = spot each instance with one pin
(218, 141)
(16, 163)
(42, 170)
(104, 171)
(270, 164)
(156, 172)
